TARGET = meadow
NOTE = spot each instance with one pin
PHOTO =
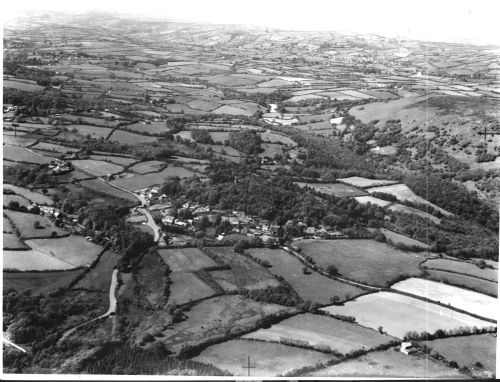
(462, 267)
(482, 286)
(336, 189)
(41, 283)
(186, 259)
(97, 168)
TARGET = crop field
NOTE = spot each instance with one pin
(213, 317)
(314, 287)
(22, 201)
(403, 192)
(336, 189)
(466, 351)
(398, 314)
(38, 282)
(396, 238)
(462, 267)
(473, 302)
(358, 181)
(187, 287)
(147, 180)
(34, 197)
(186, 259)
(469, 282)
(372, 200)
(102, 187)
(25, 223)
(97, 168)
(322, 333)
(244, 272)
(233, 356)
(154, 128)
(145, 167)
(72, 250)
(93, 131)
(45, 146)
(126, 138)
(99, 277)
(367, 261)
(122, 161)
(19, 154)
(390, 363)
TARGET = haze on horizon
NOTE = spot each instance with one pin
(448, 21)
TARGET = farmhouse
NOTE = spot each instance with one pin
(407, 348)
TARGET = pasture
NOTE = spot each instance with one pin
(24, 85)
(468, 282)
(187, 287)
(32, 260)
(99, 277)
(186, 259)
(233, 356)
(154, 128)
(413, 211)
(398, 314)
(366, 261)
(358, 181)
(28, 227)
(372, 200)
(462, 267)
(122, 161)
(396, 238)
(20, 154)
(33, 196)
(212, 318)
(126, 138)
(466, 351)
(41, 283)
(22, 201)
(147, 180)
(390, 363)
(11, 241)
(97, 168)
(72, 250)
(94, 131)
(99, 186)
(336, 189)
(322, 333)
(146, 167)
(313, 287)
(45, 146)
(469, 301)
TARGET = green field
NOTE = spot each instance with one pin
(25, 223)
(45, 146)
(94, 131)
(21, 200)
(389, 364)
(122, 161)
(313, 287)
(322, 333)
(102, 187)
(127, 138)
(11, 241)
(462, 267)
(32, 260)
(148, 180)
(38, 282)
(186, 259)
(187, 287)
(396, 238)
(97, 168)
(336, 189)
(473, 283)
(366, 261)
(34, 197)
(145, 167)
(19, 154)
(154, 128)
(468, 350)
(267, 359)
(99, 277)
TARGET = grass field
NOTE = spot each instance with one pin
(186, 287)
(34, 197)
(21, 200)
(244, 272)
(323, 333)
(94, 131)
(233, 356)
(473, 283)
(151, 128)
(102, 187)
(398, 314)
(99, 277)
(73, 250)
(313, 287)
(372, 200)
(24, 222)
(32, 260)
(389, 364)
(271, 137)
(7, 227)
(336, 189)
(463, 268)
(122, 161)
(126, 138)
(186, 259)
(366, 261)
(54, 147)
(145, 167)
(395, 238)
(19, 154)
(212, 318)
(466, 351)
(413, 211)
(477, 303)
(97, 168)
(22, 85)
(148, 180)
(11, 241)
(403, 193)
(38, 282)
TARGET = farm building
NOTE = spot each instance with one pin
(407, 348)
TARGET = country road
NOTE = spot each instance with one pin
(10, 343)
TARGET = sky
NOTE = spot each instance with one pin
(476, 21)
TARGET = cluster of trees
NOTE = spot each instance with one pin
(202, 136)
(23, 175)
(282, 294)
(443, 333)
(262, 99)
(35, 103)
(246, 141)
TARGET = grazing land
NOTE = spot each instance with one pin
(33, 226)
(99, 186)
(321, 333)
(32, 260)
(186, 259)
(126, 138)
(361, 182)
(41, 283)
(462, 267)
(99, 277)
(469, 301)
(482, 286)
(233, 356)
(19, 154)
(147, 180)
(398, 314)
(365, 261)
(97, 168)
(314, 286)
(11, 241)
(467, 351)
(336, 189)
(21, 200)
(389, 364)
(187, 287)
(145, 167)
(396, 238)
